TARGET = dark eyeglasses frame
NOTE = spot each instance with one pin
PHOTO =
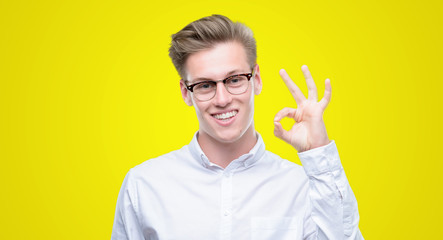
(191, 87)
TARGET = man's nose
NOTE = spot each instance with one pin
(222, 96)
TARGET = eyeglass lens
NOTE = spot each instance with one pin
(206, 90)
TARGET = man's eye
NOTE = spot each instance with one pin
(238, 80)
(204, 86)
(235, 80)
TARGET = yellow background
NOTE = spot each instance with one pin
(88, 91)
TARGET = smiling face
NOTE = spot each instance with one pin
(226, 118)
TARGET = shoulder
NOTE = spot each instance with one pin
(160, 166)
(283, 166)
(281, 162)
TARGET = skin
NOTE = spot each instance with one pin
(309, 130)
(220, 143)
(224, 142)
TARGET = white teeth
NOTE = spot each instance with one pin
(224, 116)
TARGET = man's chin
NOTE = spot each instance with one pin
(228, 139)
(225, 137)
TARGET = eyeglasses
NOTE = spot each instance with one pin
(235, 84)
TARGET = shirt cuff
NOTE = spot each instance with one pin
(320, 160)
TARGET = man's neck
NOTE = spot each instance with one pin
(223, 154)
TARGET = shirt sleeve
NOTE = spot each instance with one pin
(334, 206)
(126, 225)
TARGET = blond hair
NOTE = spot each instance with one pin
(204, 34)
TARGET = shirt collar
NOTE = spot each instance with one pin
(246, 160)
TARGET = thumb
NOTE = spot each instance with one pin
(281, 133)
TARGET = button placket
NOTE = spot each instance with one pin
(226, 205)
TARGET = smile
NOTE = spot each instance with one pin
(224, 116)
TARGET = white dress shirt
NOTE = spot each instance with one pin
(259, 196)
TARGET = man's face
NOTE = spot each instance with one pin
(219, 62)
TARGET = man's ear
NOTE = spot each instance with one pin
(186, 95)
(257, 80)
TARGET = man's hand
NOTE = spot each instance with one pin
(309, 130)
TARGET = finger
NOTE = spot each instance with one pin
(312, 89)
(327, 96)
(281, 133)
(285, 112)
(295, 91)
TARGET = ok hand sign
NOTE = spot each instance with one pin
(309, 130)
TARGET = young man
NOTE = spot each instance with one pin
(224, 184)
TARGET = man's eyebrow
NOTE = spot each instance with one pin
(233, 72)
(202, 79)
(236, 71)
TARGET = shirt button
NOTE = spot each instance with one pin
(227, 213)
